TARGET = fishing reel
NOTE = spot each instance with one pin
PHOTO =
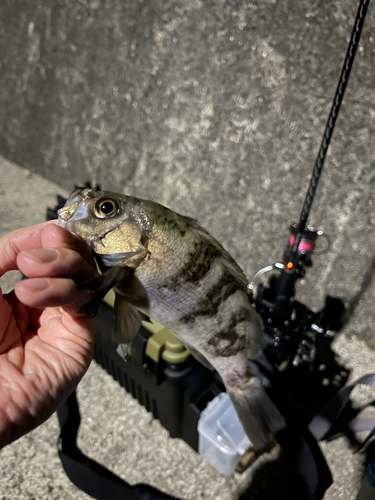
(293, 334)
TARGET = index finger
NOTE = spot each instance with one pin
(38, 236)
(54, 236)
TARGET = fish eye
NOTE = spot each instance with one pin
(106, 208)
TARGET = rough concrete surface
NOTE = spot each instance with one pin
(215, 109)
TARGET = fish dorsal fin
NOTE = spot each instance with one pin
(235, 270)
(127, 324)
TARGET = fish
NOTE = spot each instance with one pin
(165, 266)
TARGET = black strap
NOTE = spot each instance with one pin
(301, 449)
(324, 425)
(298, 444)
(88, 475)
(100, 483)
(301, 446)
(355, 426)
(304, 454)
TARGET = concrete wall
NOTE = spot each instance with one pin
(215, 109)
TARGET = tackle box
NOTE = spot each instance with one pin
(187, 398)
(161, 374)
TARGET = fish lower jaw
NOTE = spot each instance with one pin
(63, 223)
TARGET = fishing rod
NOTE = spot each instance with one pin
(297, 334)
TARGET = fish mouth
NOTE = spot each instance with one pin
(75, 209)
(66, 213)
(75, 199)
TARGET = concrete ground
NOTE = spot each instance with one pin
(216, 111)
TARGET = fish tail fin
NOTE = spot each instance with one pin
(258, 415)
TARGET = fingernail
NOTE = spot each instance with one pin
(42, 255)
(64, 235)
(36, 284)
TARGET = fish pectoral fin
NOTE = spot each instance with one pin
(101, 286)
(127, 324)
(107, 280)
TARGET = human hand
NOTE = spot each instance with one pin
(45, 345)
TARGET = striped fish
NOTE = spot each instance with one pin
(165, 266)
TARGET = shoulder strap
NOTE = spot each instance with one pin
(101, 484)
(329, 424)
(88, 475)
(304, 454)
